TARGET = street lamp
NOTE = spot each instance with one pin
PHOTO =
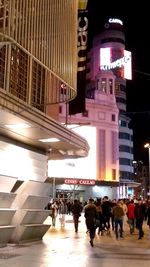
(148, 146)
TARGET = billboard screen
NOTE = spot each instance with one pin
(117, 60)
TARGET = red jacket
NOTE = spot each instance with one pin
(130, 213)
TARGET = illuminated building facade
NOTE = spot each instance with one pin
(38, 68)
(99, 126)
(108, 54)
(108, 67)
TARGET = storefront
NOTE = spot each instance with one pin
(81, 189)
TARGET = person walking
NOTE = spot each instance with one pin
(139, 216)
(62, 211)
(90, 213)
(54, 209)
(99, 220)
(131, 216)
(118, 219)
(76, 212)
(125, 210)
(106, 213)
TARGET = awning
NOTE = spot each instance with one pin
(22, 123)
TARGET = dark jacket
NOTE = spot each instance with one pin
(76, 209)
(139, 211)
(91, 214)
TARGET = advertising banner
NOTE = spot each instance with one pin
(77, 105)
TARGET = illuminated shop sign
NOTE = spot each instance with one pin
(79, 181)
(110, 59)
(113, 20)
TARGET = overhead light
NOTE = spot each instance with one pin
(147, 145)
(49, 140)
(17, 126)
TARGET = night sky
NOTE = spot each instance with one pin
(137, 32)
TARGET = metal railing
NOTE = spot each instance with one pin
(26, 78)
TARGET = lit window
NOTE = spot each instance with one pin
(113, 174)
(103, 85)
(111, 86)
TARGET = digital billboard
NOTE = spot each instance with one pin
(117, 60)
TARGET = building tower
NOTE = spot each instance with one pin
(99, 125)
(108, 54)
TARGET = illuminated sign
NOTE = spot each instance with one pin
(82, 40)
(108, 61)
(118, 63)
(112, 20)
(79, 181)
(77, 105)
(128, 66)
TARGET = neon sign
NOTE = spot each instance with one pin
(112, 20)
(79, 181)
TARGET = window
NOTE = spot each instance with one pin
(85, 113)
(121, 100)
(98, 85)
(124, 136)
(122, 123)
(113, 174)
(113, 117)
(125, 148)
(125, 161)
(103, 85)
(111, 86)
(126, 175)
(60, 109)
(117, 87)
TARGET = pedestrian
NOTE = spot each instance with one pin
(54, 208)
(90, 213)
(62, 211)
(99, 220)
(139, 216)
(113, 204)
(106, 213)
(131, 216)
(118, 219)
(125, 210)
(76, 212)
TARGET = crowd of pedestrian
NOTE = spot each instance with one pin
(104, 215)
(112, 214)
